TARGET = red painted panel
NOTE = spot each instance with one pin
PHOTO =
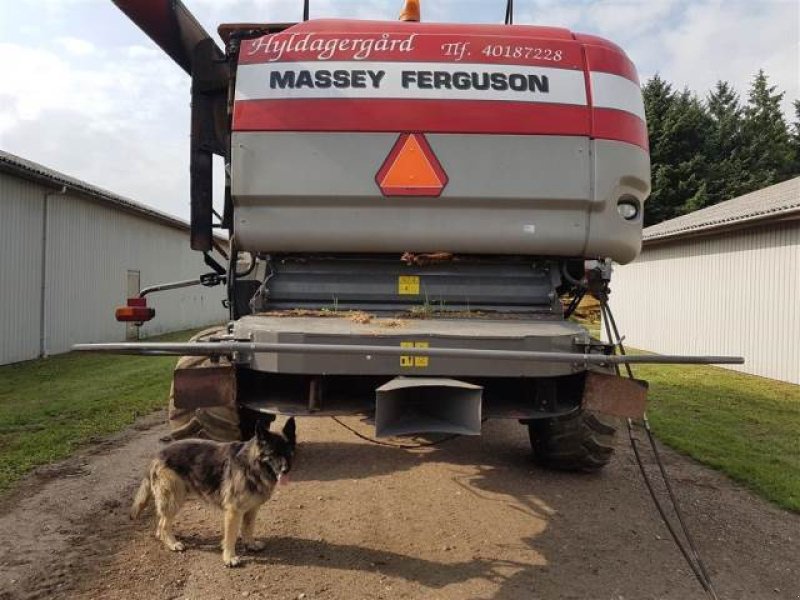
(416, 42)
(610, 124)
(608, 58)
(428, 116)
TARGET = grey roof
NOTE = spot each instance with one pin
(21, 167)
(776, 202)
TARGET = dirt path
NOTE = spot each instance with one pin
(471, 519)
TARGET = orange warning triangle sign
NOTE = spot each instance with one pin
(411, 169)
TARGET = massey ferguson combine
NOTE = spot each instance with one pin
(414, 211)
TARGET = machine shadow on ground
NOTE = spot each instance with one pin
(493, 469)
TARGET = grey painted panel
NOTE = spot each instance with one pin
(733, 293)
(415, 224)
(21, 206)
(531, 335)
(309, 165)
(523, 167)
(619, 169)
(316, 192)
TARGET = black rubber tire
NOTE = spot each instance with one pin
(581, 441)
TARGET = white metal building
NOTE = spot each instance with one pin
(70, 253)
(721, 280)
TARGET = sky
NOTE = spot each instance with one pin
(83, 91)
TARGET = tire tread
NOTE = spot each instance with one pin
(581, 441)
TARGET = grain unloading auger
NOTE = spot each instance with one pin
(410, 208)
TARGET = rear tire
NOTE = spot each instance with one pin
(581, 441)
(219, 423)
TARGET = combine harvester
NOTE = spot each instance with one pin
(414, 210)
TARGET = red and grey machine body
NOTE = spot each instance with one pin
(539, 133)
(424, 200)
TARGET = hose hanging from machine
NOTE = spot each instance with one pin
(690, 555)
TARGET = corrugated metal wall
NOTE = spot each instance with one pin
(734, 293)
(88, 249)
(21, 206)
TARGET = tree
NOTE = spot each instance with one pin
(727, 176)
(658, 96)
(767, 145)
(679, 128)
(702, 153)
(796, 139)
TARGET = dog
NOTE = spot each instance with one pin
(237, 477)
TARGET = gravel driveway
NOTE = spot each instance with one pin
(469, 519)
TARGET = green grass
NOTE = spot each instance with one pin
(50, 407)
(745, 426)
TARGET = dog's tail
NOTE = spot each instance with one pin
(142, 497)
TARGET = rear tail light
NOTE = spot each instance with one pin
(628, 207)
(136, 311)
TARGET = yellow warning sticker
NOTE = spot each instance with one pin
(408, 285)
(420, 361)
(414, 361)
(406, 361)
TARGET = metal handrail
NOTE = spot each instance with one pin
(222, 348)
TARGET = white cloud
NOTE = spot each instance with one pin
(121, 122)
(552, 13)
(732, 41)
(129, 160)
(122, 87)
(693, 43)
(76, 46)
(631, 17)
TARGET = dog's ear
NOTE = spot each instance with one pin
(262, 428)
(290, 431)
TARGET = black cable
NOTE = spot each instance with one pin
(607, 322)
(447, 438)
(305, 10)
(510, 12)
(578, 283)
(573, 305)
(689, 538)
(617, 336)
(660, 463)
(698, 575)
(697, 566)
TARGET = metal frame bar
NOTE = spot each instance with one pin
(231, 347)
(162, 287)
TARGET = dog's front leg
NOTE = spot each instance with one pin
(233, 522)
(248, 523)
